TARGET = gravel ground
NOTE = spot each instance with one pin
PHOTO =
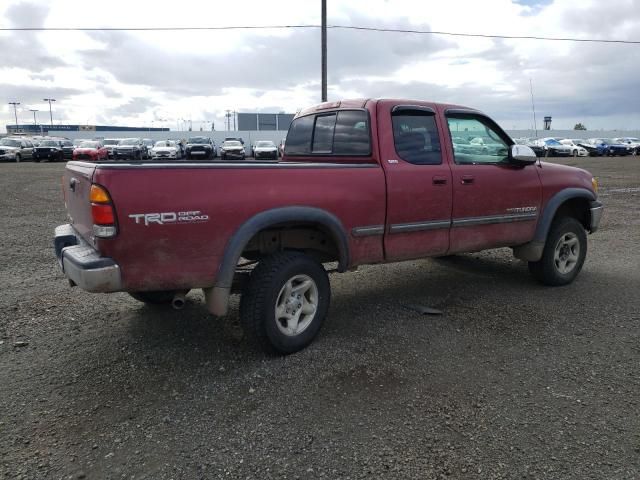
(515, 380)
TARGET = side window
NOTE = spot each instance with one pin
(299, 136)
(352, 133)
(416, 137)
(476, 141)
(323, 133)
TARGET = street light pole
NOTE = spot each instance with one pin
(34, 116)
(50, 111)
(323, 29)
(15, 111)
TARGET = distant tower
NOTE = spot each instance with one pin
(547, 123)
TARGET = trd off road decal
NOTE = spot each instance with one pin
(170, 218)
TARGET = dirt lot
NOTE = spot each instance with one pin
(515, 380)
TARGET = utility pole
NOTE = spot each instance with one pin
(323, 34)
(533, 107)
(234, 120)
(15, 112)
(50, 111)
(227, 120)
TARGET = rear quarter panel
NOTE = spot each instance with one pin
(187, 255)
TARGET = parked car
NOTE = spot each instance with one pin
(610, 147)
(166, 149)
(148, 145)
(91, 150)
(129, 149)
(110, 144)
(49, 150)
(232, 149)
(577, 150)
(202, 148)
(550, 147)
(632, 143)
(67, 148)
(373, 181)
(16, 149)
(265, 149)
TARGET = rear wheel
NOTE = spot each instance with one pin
(285, 303)
(154, 298)
(563, 255)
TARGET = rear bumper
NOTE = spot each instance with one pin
(597, 210)
(83, 265)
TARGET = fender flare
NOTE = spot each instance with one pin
(552, 206)
(532, 251)
(276, 216)
(217, 297)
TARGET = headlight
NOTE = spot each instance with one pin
(594, 184)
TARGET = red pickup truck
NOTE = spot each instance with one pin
(361, 182)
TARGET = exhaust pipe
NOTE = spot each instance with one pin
(178, 301)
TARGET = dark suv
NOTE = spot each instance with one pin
(200, 148)
(129, 149)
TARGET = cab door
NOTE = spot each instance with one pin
(419, 190)
(495, 203)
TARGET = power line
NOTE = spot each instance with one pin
(341, 27)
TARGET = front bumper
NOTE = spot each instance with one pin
(597, 209)
(7, 156)
(83, 265)
(233, 153)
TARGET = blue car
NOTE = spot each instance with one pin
(607, 146)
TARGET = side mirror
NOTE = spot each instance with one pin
(522, 155)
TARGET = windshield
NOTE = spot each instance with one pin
(198, 140)
(49, 143)
(87, 144)
(129, 141)
(7, 142)
(551, 141)
(165, 143)
(111, 142)
(265, 144)
(232, 143)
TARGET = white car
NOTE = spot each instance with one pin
(265, 149)
(166, 149)
(576, 149)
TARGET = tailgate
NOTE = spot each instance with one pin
(76, 185)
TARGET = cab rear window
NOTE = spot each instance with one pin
(342, 133)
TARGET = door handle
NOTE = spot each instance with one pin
(467, 179)
(437, 180)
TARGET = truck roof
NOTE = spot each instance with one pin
(362, 103)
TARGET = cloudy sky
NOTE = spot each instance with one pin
(136, 78)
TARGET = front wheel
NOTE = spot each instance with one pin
(563, 255)
(285, 303)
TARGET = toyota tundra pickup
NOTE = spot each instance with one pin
(361, 182)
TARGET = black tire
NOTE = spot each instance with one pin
(547, 270)
(154, 298)
(258, 303)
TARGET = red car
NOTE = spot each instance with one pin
(91, 150)
(361, 182)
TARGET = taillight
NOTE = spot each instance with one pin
(102, 212)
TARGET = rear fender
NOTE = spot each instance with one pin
(217, 297)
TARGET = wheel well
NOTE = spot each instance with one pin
(577, 208)
(312, 239)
